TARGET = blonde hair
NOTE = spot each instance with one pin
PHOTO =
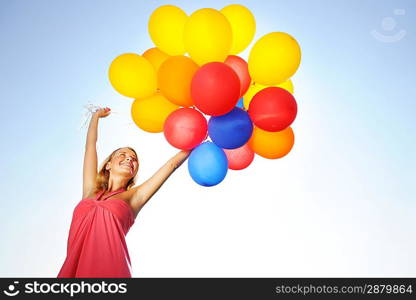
(103, 175)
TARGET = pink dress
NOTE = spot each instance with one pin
(96, 241)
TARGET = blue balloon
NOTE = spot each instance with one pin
(207, 164)
(231, 130)
(240, 103)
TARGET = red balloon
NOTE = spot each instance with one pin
(215, 89)
(185, 128)
(239, 158)
(273, 109)
(240, 66)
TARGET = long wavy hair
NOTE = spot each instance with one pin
(103, 175)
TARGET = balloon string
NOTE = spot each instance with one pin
(89, 110)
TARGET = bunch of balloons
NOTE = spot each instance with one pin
(194, 72)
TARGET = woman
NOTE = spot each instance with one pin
(109, 206)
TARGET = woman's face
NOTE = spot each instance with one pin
(125, 162)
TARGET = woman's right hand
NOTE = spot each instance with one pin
(102, 112)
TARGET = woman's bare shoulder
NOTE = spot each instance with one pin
(131, 192)
(89, 194)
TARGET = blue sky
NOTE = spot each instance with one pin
(351, 173)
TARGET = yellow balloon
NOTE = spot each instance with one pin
(133, 76)
(274, 58)
(155, 56)
(257, 87)
(243, 26)
(150, 113)
(272, 145)
(207, 36)
(166, 26)
(287, 85)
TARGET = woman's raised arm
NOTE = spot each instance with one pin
(142, 193)
(89, 173)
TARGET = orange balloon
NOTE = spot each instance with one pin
(155, 56)
(174, 79)
(272, 145)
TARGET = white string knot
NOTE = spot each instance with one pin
(89, 110)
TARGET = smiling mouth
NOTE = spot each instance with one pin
(128, 166)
